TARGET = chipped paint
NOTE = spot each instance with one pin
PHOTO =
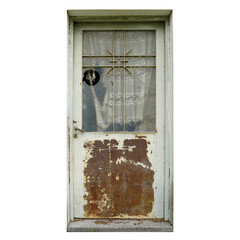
(118, 178)
(140, 136)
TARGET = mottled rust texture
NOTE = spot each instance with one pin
(118, 180)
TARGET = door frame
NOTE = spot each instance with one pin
(132, 16)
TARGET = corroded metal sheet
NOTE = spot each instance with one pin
(118, 178)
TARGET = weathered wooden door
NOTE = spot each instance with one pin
(118, 120)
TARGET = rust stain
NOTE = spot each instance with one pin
(157, 220)
(103, 221)
(137, 136)
(120, 220)
(138, 221)
(107, 220)
(118, 181)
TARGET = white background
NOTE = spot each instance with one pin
(33, 73)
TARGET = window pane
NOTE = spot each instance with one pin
(119, 81)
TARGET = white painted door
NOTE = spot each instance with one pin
(118, 120)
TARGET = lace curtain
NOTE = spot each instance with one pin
(124, 98)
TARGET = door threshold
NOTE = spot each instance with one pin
(119, 225)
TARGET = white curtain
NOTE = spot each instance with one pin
(124, 98)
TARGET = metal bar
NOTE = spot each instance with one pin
(109, 52)
(128, 70)
(124, 80)
(125, 47)
(113, 39)
(109, 70)
(119, 66)
(88, 56)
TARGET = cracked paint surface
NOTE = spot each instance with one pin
(118, 179)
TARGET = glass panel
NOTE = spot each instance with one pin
(96, 42)
(141, 61)
(96, 61)
(118, 43)
(118, 100)
(97, 103)
(141, 42)
(130, 61)
(118, 88)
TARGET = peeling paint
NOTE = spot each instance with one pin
(118, 179)
(140, 136)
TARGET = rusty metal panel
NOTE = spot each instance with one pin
(118, 180)
(118, 176)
